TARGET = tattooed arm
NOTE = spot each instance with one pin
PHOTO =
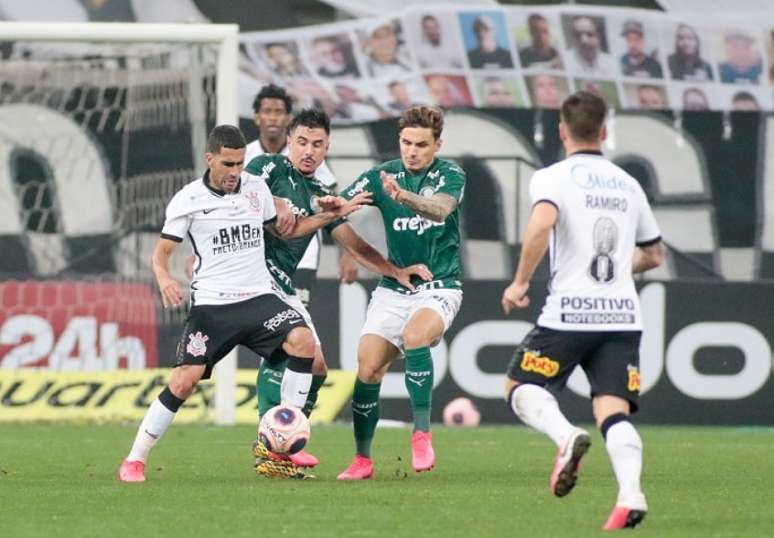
(436, 207)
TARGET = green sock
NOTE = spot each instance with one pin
(314, 390)
(268, 385)
(419, 382)
(365, 415)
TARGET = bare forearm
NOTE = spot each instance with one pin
(435, 208)
(371, 259)
(532, 251)
(309, 225)
(160, 264)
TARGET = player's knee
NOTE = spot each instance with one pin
(319, 367)
(182, 386)
(415, 337)
(510, 384)
(368, 373)
(300, 342)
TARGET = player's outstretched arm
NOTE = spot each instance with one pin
(533, 247)
(171, 293)
(436, 207)
(370, 258)
(332, 208)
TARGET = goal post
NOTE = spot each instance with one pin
(224, 38)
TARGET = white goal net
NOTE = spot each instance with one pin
(99, 125)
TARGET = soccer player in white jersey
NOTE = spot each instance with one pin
(600, 229)
(233, 296)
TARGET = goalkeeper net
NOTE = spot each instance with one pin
(95, 137)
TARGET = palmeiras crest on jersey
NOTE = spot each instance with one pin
(255, 200)
(427, 192)
(197, 344)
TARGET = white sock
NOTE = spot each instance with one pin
(625, 449)
(295, 387)
(537, 407)
(156, 421)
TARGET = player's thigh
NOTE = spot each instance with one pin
(272, 322)
(613, 368)
(432, 314)
(209, 333)
(296, 303)
(548, 357)
(425, 328)
(374, 356)
(388, 312)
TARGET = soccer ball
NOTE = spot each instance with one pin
(461, 412)
(284, 429)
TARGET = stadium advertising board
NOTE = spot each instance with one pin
(77, 326)
(122, 395)
(706, 354)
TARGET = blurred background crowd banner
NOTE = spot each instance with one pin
(519, 57)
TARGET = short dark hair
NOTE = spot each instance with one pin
(429, 117)
(313, 118)
(272, 91)
(743, 96)
(429, 18)
(225, 136)
(584, 115)
(534, 18)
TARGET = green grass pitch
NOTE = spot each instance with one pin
(59, 480)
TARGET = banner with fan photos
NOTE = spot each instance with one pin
(531, 57)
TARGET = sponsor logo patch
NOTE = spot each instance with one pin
(197, 344)
(633, 383)
(531, 361)
(278, 319)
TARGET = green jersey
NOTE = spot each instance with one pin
(301, 193)
(411, 238)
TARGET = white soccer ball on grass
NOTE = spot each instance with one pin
(284, 429)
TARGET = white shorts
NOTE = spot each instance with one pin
(389, 311)
(294, 301)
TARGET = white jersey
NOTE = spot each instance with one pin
(324, 175)
(603, 214)
(226, 233)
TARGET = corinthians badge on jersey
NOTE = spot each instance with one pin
(255, 200)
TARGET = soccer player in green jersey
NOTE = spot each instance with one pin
(292, 178)
(418, 196)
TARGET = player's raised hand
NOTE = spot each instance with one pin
(171, 293)
(515, 296)
(286, 220)
(341, 207)
(390, 185)
(404, 274)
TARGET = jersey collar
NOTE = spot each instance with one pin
(586, 152)
(217, 192)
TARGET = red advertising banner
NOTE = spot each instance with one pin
(77, 326)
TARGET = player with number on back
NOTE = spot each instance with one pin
(418, 196)
(601, 229)
(233, 300)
